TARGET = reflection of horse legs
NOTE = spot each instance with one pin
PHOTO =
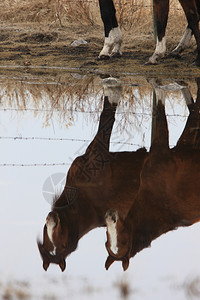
(190, 138)
(99, 147)
(160, 135)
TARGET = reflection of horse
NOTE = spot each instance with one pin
(113, 36)
(96, 181)
(169, 192)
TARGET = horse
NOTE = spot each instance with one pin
(168, 195)
(96, 181)
(113, 34)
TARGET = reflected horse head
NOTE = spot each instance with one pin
(60, 235)
(118, 240)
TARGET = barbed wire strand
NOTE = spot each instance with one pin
(86, 112)
(33, 165)
(48, 164)
(57, 139)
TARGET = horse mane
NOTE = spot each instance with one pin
(65, 199)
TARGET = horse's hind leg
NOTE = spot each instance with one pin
(113, 35)
(101, 142)
(190, 138)
(191, 11)
(160, 139)
(161, 12)
(184, 42)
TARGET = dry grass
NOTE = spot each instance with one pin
(131, 14)
(13, 291)
(62, 98)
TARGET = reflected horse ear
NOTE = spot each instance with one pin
(43, 255)
(45, 265)
(125, 263)
(109, 262)
(62, 264)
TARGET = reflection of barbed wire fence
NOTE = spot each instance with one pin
(132, 111)
(64, 101)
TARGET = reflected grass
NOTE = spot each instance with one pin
(65, 95)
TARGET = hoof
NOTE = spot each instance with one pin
(104, 57)
(196, 63)
(174, 54)
(150, 63)
(116, 55)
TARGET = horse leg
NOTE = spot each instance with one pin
(160, 139)
(101, 142)
(191, 11)
(184, 42)
(113, 35)
(161, 13)
(190, 138)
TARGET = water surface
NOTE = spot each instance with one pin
(45, 123)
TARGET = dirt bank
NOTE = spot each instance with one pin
(31, 45)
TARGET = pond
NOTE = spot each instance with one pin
(47, 119)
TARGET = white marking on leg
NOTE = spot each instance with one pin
(159, 51)
(112, 89)
(112, 43)
(112, 232)
(160, 95)
(50, 229)
(184, 42)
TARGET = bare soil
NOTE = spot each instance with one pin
(36, 45)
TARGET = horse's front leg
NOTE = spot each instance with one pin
(161, 14)
(113, 35)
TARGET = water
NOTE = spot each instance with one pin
(47, 120)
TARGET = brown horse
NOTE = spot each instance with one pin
(113, 35)
(169, 192)
(96, 181)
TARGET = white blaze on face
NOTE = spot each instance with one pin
(112, 43)
(50, 229)
(112, 232)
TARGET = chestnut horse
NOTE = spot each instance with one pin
(96, 181)
(113, 35)
(169, 192)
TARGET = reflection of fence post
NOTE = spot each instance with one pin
(153, 124)
(154, 23)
